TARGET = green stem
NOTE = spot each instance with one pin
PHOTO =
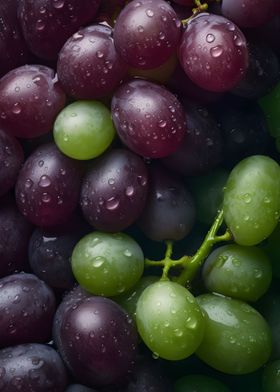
(199, 8)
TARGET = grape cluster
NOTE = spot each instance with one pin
(140, 195)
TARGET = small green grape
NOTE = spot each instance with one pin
(84, 129)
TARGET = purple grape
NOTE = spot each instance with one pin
(11, 159)
(169, 212)
(248, 13)
(47, 24)
(88, 65)
(213, 52)
(30, 99)
(13, 48)
(50, 253)
(114, 190)
(48, 186)
(31, 367)
(146, 33)
(27, 307)
(15, 232)
(96, 339)
(149, 119)
(202, 147)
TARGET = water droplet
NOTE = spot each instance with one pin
(112, 203)
(149, 13)
(41, 163)
(267, 200)
(58, 4)
(216, 51)
(98, 261)
(28, 183)
(247, 198)
(44, 181)
(111, 181)
(127, 253)
(46, 197)
(210, 38)
(178, 332)
(16, 108)
(99, 54)
(40, 25)
(140, 29)
(129, 191)
(162, 124)
(155, 355)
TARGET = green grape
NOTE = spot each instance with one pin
(169, 320)
(271, 107)
(128, 300)
(201, 383)
(84, 129)
(237, 271)
(107, 264)
(237, 339)
(272, 248)
(252, 199)
(271, 377)
(208, 194)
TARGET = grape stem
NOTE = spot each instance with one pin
(191, 264)
(199, 8)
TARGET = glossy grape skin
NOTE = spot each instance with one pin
(239, 272)
(201, 383)
(11, 159)
(151, 40)
(32, 367)
(240, 335)
(207, 191)
(13, 48)
(213, 52)
(271, 377)
(148, 118)
(270, 104)
(15, 232)
(97, 341)
(248, 13)
(107, 264)
(252, 199)
(88, 64)
(27, 307)
(30, 99)
(84, 129)
(169, 213)
(169, 320)
(47, 24)
(114, 190)
(202, 147)
(47, 189)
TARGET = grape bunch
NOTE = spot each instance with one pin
(140, 195)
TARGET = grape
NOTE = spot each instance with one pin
(201, 148)
(47, 24)
(252, 199)
(107, 264)
(169, 213)
(11, 159)
(201, 383)
(240, 335)
(169, 320)
(27, 307)
(238, 271)
(114, 190)
(84, 129)
(213, 52)
(270, 105)
(15, 232)
(31, 367)
(271, 377)
(148, 118)
(207, 191)
(248, 13)
(48, 185)
(30, 99)
(151, 40)
(88, 65)
(97, 340)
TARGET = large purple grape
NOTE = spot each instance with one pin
(15, 232)
(213, 52)
(169, 212)
(149, 119)
(11, 159)
(47, 24)
(146, 33)
(30, 99)
(31, 367)
(27, 307)
(96, 339)
(48, 186)
(114, 190)
(13, 49)
(202, 147)
(88, 65)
